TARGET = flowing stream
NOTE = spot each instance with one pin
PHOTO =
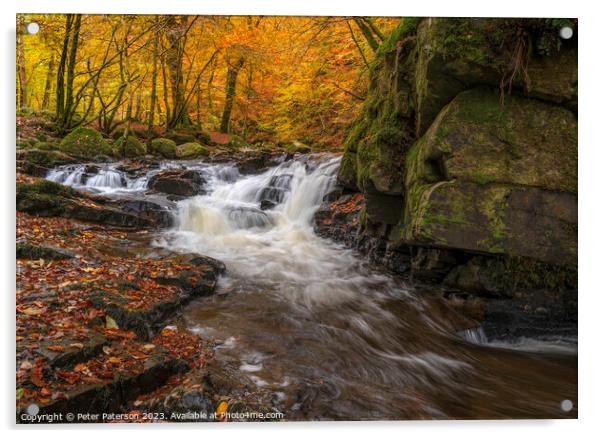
(330, 336)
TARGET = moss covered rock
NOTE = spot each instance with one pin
(191, 150)
(476, 139)
(44, 198)
(181, 137)
(85, 142)
(384, 130)
(456, 54)
(484, 177)
(47, 198)
(132, 148)
(38, 162)
(163, 147)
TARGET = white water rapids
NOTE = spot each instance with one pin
(308, 320)
(277, 246)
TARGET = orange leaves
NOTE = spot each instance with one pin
(183, 345)
(30, 311)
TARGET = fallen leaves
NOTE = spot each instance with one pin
(110, 323)
(56, 312)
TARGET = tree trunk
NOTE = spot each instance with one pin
(165, 93)
(367, 34)
(22, 90)
(176, 36)
(153, 99)
(232, 76)
(60, 78)
(48, 85)
(69, 107)
(129, 90)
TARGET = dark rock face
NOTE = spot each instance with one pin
(177, 182)
(255, 163)
(139, 167)
(275, 192)
(458, 189)
(247, 217)
(149, 211)
(47, 198)
(34, 252)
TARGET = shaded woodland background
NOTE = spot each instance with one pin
(272, 78)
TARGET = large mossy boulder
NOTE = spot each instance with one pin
(163, 147)
(191, 151)
(456, 54)
(85, 142)
(181, 137)
(496, 179)
(129, 148)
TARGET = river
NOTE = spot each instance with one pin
(331, 336)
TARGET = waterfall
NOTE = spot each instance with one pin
(273, 244)
(295, 189)
(104, 179)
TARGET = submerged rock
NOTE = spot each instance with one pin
(178, 182)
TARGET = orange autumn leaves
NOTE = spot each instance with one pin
(303, 77)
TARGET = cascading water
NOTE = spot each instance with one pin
(331, 337)
(106, 179)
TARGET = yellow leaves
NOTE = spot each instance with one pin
(221, 410)
(114, 360)
(31, 311)
(110, 323)
(167, 331)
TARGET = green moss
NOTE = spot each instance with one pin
(163, 147)
(132, 148)
(35, 252)
(482, 178)
(181, 137)
(44, 197)
(47, 146)
(407, 26)
(191, 150)
(45, 158)
(236, 142)
(522, 272)
(85, 142)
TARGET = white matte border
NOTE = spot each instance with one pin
(590, 217)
